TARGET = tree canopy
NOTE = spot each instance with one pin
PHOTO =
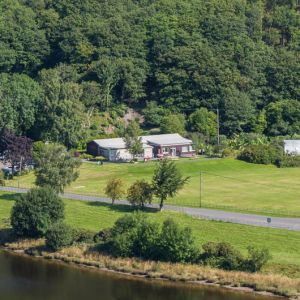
(62, 62)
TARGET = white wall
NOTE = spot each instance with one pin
(148, 152)
(292, 147)
(124, 154)
(121, 154)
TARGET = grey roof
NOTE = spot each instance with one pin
(115, 143)
(166, 139)
(292, 142)
(158, 140)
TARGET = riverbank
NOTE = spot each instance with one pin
(283, 245)
(84, 256)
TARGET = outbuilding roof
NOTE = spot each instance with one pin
(166, 139)
(155, 140)
(115, 143)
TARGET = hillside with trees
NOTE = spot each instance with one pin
(69, 70)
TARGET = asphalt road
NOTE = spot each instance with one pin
(210, 214)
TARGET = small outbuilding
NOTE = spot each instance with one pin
(154, 146)
(292, 147)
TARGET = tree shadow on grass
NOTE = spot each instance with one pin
(9, 196)
(123, 208)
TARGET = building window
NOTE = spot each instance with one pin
(185, 149)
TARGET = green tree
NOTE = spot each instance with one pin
(203, 122)
(167, 180)
(19, 98)
(283, 117)
(114, 189)
(35, 212)
(23, 45)
(61, 112)
(140, 193)
(154, 113)
(173, 124)
(261, 122)
(132, 138)
(55, 167)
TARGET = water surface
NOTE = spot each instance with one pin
(23, 278)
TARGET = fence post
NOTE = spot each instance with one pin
(200, 189)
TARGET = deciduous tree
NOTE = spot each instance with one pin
(55, 167)
(167, 180)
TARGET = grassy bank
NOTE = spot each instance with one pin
(284, 245)
(85, 256)
(227, 184)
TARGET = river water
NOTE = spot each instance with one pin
(23, 278)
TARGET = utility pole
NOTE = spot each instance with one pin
(200, 189)
(218, 126)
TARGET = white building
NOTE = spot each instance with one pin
(292, 147)
(153, 146)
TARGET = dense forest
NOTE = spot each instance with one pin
(71, 69)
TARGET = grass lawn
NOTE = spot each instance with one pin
(227, 184)
(284, 245)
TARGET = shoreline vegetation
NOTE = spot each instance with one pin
(83, 256)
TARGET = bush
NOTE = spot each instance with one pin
(86, 156)
(224, 256)
(35, 212)
(261, 154)
(134, 235)
(176, 244)
(288, 161)
(228, 152)
(59, 236)
(221, 255)
(257, 258)
(98, 158)
(104, 235)
(83, 236)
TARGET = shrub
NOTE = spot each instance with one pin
(176, 244)
(140, 193)
(288, 161)
(257, 258)
(83, 236)
(224, 256)
(98, 158)
(261, 154)
(221, 255)
(59, 236)
(135, 235)
(35, 212)
(228, 152)
(104, 235)
(86, 156)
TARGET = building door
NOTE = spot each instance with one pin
(173, 151)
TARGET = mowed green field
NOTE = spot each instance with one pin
(284, 245)
(226, 184)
